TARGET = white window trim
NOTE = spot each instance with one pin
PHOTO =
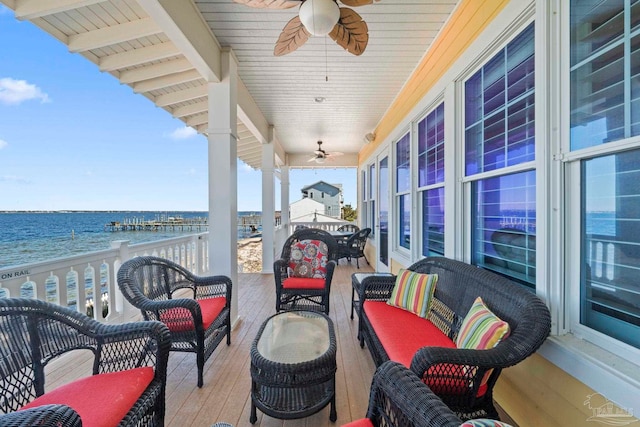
(398, 252)
(417, 189)
(599, 361)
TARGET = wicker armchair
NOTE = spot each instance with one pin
(399, 399)
(196, 309)
(303, 274)
(129, 368)
(353, 248)
(458, 286)
(350, 228)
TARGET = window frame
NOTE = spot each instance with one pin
(421, 190)
(467, 182)
(401, 197)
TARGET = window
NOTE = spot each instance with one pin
(500, 133)
(371, 199)
(610, 290)
(431, 181)
(504, 225)
(605, 67)
(605, 107)
(403, 188)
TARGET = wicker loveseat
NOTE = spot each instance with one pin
(127, 387)
(462, 377)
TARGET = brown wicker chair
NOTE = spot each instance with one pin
(303, 283)
(131, 357)
(196, 309)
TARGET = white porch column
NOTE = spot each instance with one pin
(268, 205)
(284, 196)
(223, 175)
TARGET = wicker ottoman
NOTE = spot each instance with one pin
(293, 366)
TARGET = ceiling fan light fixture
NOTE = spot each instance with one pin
(319, 16)
(320, 159)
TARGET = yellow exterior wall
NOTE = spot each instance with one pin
(534, 392)
(468, 21)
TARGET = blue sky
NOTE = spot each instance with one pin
(73, 138)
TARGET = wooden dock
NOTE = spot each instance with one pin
(248, 223)
(160, 223)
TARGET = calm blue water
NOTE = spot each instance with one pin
(33, 237)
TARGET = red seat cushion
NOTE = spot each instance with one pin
(401, 332)
(303, 283)
(180, 320)
(101, 400)
(363, 422)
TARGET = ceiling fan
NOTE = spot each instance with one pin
(319, 155)
(319, 17)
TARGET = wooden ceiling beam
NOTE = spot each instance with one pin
(155, 70)
(197, 120)
(166, 81)
(181, 96)
(191, 109)
(132, 58)
(108, 36)
(32, 9)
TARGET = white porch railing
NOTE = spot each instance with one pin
(87, 282)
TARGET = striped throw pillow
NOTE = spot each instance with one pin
(484, 422)
(481, 329)
(413, 292)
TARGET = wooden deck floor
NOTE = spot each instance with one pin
(225, 394)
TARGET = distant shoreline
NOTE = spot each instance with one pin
(108, 211)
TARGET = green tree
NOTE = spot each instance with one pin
(349, 214)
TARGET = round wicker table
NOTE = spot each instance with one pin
(293, 366)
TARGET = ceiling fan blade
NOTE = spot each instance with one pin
(335, 154)
(351, 32)
(313, 159)
(293, 35)
(355, 3)
(269, 4)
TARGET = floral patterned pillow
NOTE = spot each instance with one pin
(309, 259)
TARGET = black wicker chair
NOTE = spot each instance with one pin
(353, 248)
(299, 281)
(33, 333)
(196, 309)
(399, 399)
(350, 228)
(458, 286)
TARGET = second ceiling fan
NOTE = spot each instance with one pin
(319, 17)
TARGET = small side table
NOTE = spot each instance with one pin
(356, 288)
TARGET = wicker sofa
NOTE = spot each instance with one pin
(129, 368)
(462, 378)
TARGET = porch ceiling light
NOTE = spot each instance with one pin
(319, 16)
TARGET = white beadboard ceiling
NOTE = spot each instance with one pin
(167, 51)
